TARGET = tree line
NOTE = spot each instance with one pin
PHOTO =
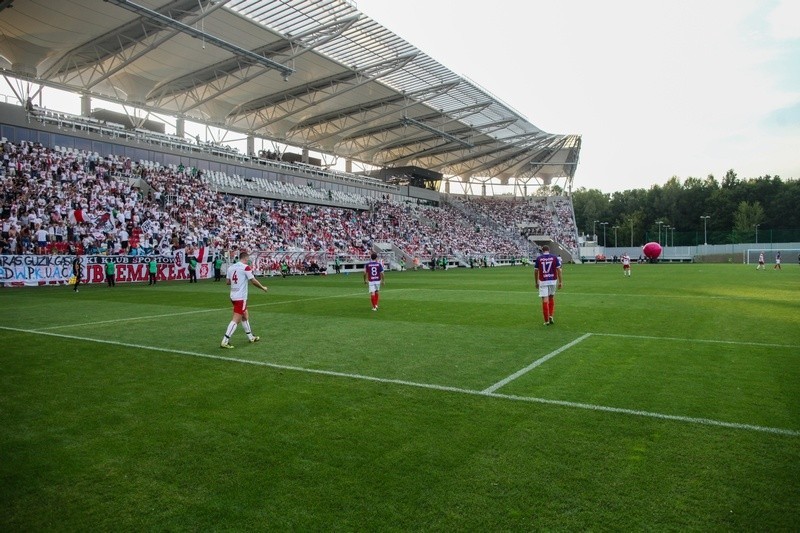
(737, 210)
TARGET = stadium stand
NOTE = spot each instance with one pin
(88, 203)
(356, 94)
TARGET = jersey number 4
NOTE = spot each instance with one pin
(235, 277)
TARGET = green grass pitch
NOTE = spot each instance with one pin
(664, 401)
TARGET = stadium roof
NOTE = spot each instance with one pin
(316, 74)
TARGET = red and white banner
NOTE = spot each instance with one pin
(33, 270)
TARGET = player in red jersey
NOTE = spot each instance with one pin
(373, 277)
(239, 274)
(547, 273)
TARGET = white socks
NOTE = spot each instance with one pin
(229, 332)
(246, 326)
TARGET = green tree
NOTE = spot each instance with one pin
(590, 205)
(682, 205)
(731, 180)
(631, 229)
(747, 216)
(784, 212)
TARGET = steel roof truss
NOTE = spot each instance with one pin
(216, 41)
(416, 97)
(499, 147)
(158, 40)
(509, 159)
(316, 97)
(110, 44)
(244, 73)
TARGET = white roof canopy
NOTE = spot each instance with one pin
(315, 74)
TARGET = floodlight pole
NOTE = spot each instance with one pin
(659, 222)
(615, 236)
(594, 230)
(757, 225)
(705, 229)
(604, 224)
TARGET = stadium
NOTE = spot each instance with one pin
(312, 137)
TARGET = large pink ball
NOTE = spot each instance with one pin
(652, 250)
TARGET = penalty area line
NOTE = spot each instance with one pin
(536, 363)
(699, 341)
(430, 386)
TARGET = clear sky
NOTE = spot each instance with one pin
(656, 88)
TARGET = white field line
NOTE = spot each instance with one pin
(536, 363)
(573, 405)
(673, 296)
(214, 310)
(709, 341)
(650, 414)
(566, 292)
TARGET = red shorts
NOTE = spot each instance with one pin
(239, 306)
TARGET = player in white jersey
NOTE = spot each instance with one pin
(239, 276)
(761, 262)
(626, 264)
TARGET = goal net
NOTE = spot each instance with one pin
(788, 255)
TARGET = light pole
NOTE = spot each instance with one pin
(673, 236)
(604, 224)
(757, 225)
(705, 229)
(659, 222)
(615, 235)
(594, 230)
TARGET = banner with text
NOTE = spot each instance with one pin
(33, 270)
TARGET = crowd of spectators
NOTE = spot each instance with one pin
(48, 198)
(551, 217)
(80, 202)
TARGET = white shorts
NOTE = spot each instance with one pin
(374, 286)
(547, 290)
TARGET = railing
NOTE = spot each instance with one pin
(92, 125)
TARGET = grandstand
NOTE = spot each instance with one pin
(317, 78)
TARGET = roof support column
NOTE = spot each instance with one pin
(86, 105)
(348, 165)
(305, 155)
(180, 127)
(251, 145)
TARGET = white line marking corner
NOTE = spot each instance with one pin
(536, 363)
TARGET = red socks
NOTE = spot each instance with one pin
(374, 299)
(548, 307)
